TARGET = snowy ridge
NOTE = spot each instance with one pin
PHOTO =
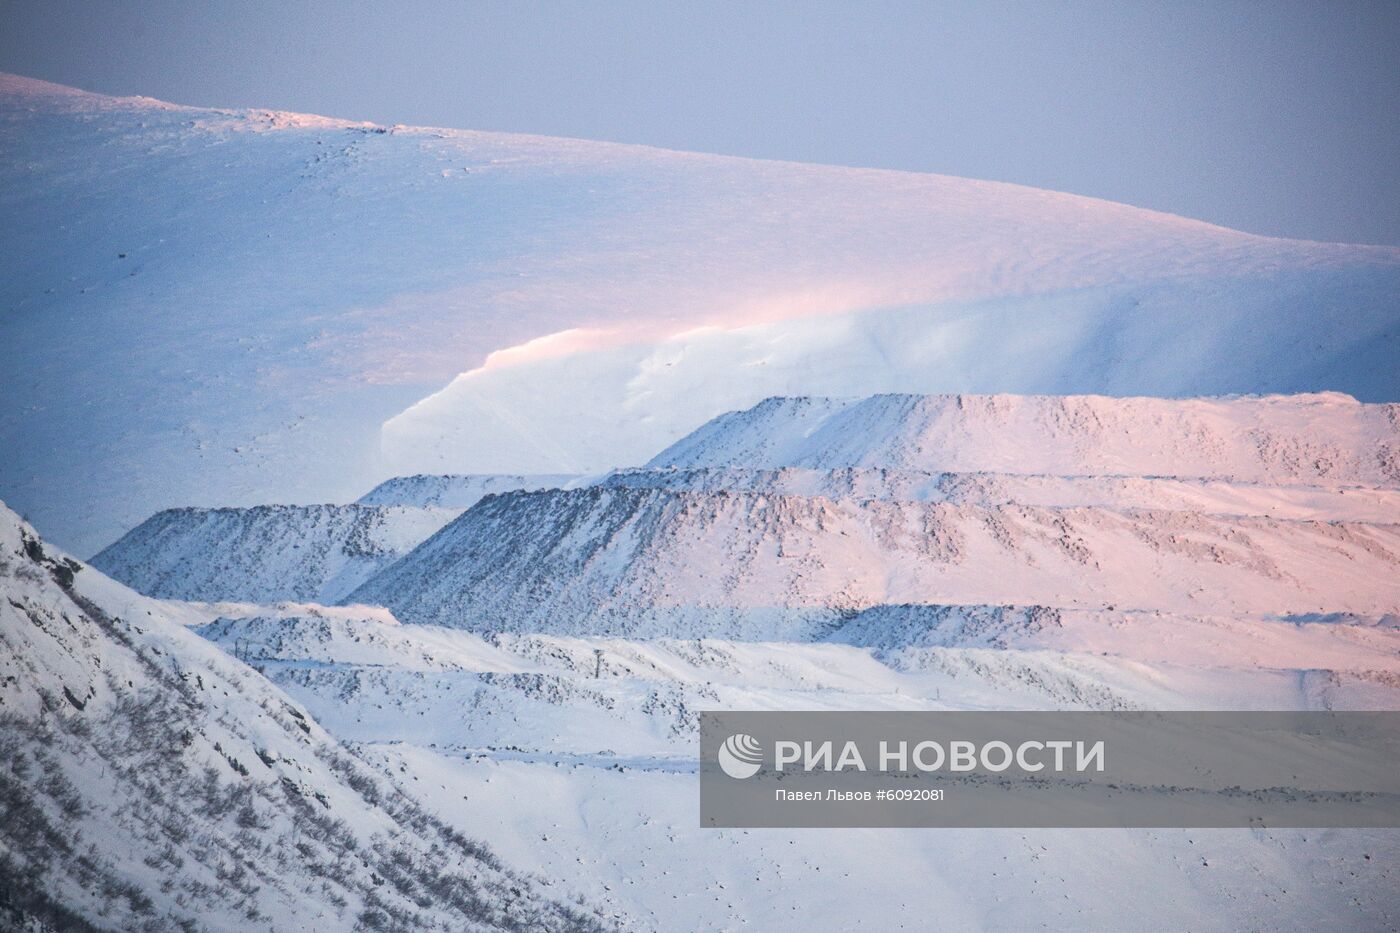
(455, 492)
(1361, 654)
(569, 736)
(779, 521)
(150, 781)
(1217, 497)
(1356, 644)
(646, 563)
(266, 553)
(1151, 491)
(358, 635)
(1272, 439)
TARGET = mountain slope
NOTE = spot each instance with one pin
(148, 781)
(1273, 439)
(271, 307)
(267, 553)
(454, 492)
(743, 565)
(782, 521)
(582, 752)
(1317, 500)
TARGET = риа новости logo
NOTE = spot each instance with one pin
(740, 756)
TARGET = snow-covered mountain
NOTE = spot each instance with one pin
(1252, 567)
(275, 553)
(273, 307)
(781, 521)
(455, 492)
(266, 553)
(150, 781)
(226, 308)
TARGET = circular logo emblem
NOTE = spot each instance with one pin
(740, 756)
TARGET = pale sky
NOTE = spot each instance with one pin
(1274, 117)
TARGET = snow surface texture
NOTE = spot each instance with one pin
(781, 521)
(648, 563)
(1190, 494)
(324, 304)
(455, 492)
(580, 754)
(1272, 439)
(149, 781)
(266, 553)
(277, 553)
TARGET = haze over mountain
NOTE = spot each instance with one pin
(213, 308)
